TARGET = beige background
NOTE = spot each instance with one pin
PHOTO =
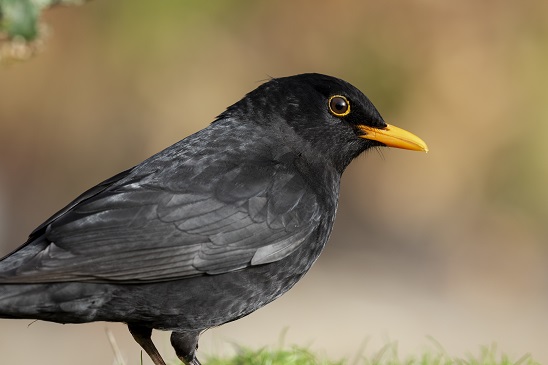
(452, 244)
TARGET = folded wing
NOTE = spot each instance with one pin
(132, 228)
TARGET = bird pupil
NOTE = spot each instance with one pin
(339, 104)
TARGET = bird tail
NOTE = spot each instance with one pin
(64, 302)
(55, 302)
(20, 301)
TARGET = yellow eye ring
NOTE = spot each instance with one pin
(339, 105)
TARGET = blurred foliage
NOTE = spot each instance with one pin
(19, 18)
(20, 29)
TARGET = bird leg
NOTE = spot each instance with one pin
(142, 336)
(185, 345)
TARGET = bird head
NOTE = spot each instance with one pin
(321, 116)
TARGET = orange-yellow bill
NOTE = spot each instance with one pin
(394, 137)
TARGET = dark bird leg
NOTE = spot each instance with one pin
(142, 336)
(185, 345)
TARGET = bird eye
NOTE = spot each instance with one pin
(339, 106)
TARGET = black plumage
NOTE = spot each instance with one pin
(209, 229)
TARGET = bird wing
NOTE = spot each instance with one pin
(142, 230)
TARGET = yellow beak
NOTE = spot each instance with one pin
(393, 137)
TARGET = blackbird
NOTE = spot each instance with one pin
(209, 229)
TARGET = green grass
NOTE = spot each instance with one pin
(388, 355)
(291, 356)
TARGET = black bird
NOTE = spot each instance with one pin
(209, 229)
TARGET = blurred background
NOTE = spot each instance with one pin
(451, 244)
